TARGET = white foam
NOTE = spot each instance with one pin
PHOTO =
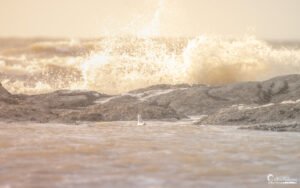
(290, 102)
(244, 107)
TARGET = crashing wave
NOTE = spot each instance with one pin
(118, 64)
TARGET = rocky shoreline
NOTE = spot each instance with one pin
(268, 105)
(277, 127)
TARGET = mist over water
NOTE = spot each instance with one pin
(123, 62)
(119, 64)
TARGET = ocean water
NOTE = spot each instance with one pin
(118, 64)
(160, 154)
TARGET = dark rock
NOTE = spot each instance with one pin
(244, 103)
(278, 127)
(3, 91)
(6, 97)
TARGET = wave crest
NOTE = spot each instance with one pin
(126, 63)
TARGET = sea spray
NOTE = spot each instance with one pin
(118, 64)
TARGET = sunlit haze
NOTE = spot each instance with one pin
(268, 19)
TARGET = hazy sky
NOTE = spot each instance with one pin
(271, 19)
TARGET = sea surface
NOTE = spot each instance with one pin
(159, 154)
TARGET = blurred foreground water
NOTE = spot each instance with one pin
(160, 154)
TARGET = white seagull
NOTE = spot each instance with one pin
(140, 120)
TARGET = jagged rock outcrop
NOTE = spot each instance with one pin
(245, 115)
(4, 92)
(244, 103)
(71, 106)
(6, 97)
(275, 100)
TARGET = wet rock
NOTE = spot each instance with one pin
(278, 127)
(66, 99)
(245, 115)
(4, 92)
(127, 108)
(6, 97)
(246, 103)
